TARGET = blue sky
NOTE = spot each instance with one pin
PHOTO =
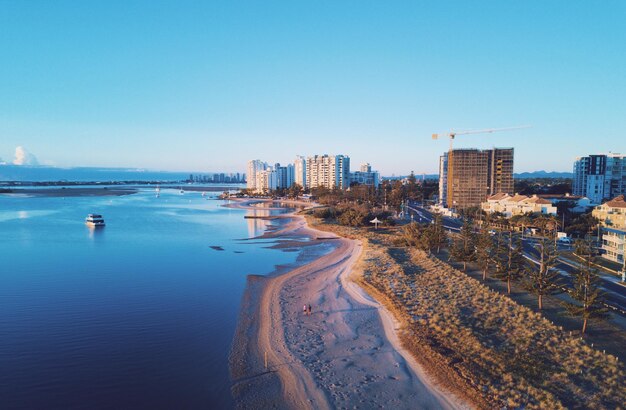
(205, 86)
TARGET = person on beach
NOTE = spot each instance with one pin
(309, 310)
(304, 309)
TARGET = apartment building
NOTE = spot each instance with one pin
(600, 177)
(612, 217)
(365, 176)
(300, 171)
(284, 175)
(468, 176)
(266, 180)
(254, 166)
(330, 171)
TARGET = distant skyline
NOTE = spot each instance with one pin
(206, 86)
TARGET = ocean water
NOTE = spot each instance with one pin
(139, 314)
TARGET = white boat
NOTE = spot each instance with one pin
(94, 220)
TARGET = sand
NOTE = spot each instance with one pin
(346, 354)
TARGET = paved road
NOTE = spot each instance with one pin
(615, 294)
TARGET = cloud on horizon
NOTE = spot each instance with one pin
(23, 157)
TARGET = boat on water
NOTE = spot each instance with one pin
(94, 220)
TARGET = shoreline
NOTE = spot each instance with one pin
(347, 353)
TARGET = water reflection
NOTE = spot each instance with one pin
(257, 225)
(95, 233)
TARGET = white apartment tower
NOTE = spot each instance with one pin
(330, 171)
(266, 180)
(300, 171)
(254, 166)
(600, 177)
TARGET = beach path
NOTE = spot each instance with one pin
(346, 353)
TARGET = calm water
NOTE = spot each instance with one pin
(139, 314)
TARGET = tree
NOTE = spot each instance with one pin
(440, 236)
(582, 225)
(353, 217)
(586, 287)
(295, 191)
(412, 234)
(485, 250)
(510, 260)
(543, 279)
(464, 249)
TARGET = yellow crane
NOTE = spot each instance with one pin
(453, 134)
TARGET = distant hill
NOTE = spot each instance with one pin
(522, 175)
(543, 174)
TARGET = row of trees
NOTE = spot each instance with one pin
(503, 254)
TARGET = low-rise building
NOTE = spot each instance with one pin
(517, 205)
(577, 204)
(612, 217)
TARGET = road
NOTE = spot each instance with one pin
(615, 294)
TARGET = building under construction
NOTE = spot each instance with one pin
(468, 176)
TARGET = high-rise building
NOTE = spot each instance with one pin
(254, 166)
(366, 167)
(284, 175)
(266, 180)
(468, 176)
(330, 171)
(599, 177)
(443, 179)
(501, 171)
(300, 171)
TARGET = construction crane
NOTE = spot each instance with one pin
(453, 134)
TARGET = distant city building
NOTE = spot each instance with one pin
(365, 176)
(600, 177)
(284, 175)
(254, 167)
(330, 171)
(468, 176)
(517, 205)
(612, 217)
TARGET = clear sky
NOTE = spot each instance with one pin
(207, 85)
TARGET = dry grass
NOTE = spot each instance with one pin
(477, 341)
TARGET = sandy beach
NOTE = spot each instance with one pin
(345, 354)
